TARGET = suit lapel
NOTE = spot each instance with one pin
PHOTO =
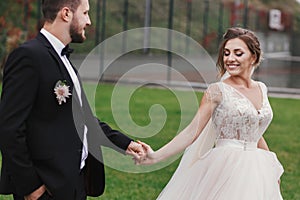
(60, 64)
(61, 67)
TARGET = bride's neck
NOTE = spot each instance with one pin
(240, 81)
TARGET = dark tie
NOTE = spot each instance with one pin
(66, 51)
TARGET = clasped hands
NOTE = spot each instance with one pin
(142, 153)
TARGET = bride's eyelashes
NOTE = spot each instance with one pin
(238, 53)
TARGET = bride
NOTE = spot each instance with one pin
(226, 156)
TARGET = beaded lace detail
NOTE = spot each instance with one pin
(235, 117)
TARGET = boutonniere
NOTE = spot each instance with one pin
(62, 91)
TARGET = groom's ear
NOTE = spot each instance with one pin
(65, 14)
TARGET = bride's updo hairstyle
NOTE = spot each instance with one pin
(250, 40)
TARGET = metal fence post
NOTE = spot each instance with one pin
(125, 26)
(102, 38)
(170, 27)
(103, 24)
(26, 16)
(188, 23)
(205, 21)
(97, 23)
(39, 20)
(220, 27)
(147, 24)
(245, 13)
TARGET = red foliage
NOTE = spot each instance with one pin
(2, 22)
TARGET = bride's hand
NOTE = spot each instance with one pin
(148, 158)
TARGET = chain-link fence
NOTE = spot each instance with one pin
(203, 20)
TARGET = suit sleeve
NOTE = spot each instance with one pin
(100, 133)
(116, 137)
(20, 83)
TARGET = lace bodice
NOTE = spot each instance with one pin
(235, 117)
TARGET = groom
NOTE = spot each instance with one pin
(46, 124)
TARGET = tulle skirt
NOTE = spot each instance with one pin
(233, 170)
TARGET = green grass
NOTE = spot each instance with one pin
(282, 137)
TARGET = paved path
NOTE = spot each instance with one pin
(281, 75)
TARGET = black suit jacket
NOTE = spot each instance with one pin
(40, 140)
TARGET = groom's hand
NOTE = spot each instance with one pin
(36, 194)
(148, 158)
(136, 150)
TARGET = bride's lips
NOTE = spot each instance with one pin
(232, 66)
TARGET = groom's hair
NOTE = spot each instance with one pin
(50, 8)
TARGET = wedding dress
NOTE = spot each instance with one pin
(224, 163)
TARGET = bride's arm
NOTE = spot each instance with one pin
(186, 137)
(262, 144)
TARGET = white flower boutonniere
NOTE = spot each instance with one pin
(62, 91)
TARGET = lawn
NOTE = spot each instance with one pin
(282, 137)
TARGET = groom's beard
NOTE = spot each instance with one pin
(76, 33)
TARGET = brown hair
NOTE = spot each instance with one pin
(50, 8)
(245, 35)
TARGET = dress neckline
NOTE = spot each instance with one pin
(244, 96)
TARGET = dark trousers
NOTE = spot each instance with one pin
(80, 193)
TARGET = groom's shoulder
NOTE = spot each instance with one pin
(32, 47)
(34, 44)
